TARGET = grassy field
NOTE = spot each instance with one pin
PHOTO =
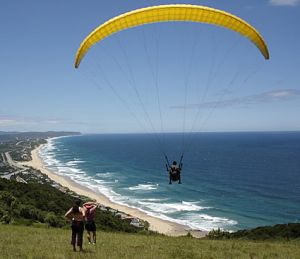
(33, 242)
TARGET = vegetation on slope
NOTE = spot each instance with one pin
(32, 203)
(279, 231)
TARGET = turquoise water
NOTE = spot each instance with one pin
(230, 180)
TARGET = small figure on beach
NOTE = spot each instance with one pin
(174, 172)
(90, 226)
(77, 216)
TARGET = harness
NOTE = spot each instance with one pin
(168, 166)
(175, 169)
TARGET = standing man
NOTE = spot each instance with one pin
(90, 226)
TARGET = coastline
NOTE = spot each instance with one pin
(156, 224)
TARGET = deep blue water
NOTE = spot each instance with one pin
(230, 180)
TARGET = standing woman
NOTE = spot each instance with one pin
(77, 215)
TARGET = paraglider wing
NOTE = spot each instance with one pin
(169, 13)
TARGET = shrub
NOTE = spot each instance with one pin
(54, 221)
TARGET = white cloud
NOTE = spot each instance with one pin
(271, 96)
(52, 121)
(6, 122)
(284, 2)
(282, 93)
(10, 121)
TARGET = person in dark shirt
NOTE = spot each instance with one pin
(77, 215)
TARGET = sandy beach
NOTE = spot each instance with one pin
(156, 224)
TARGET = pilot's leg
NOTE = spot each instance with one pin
(179, 178)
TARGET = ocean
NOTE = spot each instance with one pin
(230, 181)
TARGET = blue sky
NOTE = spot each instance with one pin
(228, 85)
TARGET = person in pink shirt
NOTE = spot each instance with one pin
(90, 226)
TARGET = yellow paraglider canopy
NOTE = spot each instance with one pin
(169, 13)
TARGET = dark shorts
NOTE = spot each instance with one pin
(90, 226)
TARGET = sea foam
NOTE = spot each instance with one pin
(172, 207)
(144, 187)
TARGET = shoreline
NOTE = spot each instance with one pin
(159, 225)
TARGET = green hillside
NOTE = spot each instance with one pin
(34, 242)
